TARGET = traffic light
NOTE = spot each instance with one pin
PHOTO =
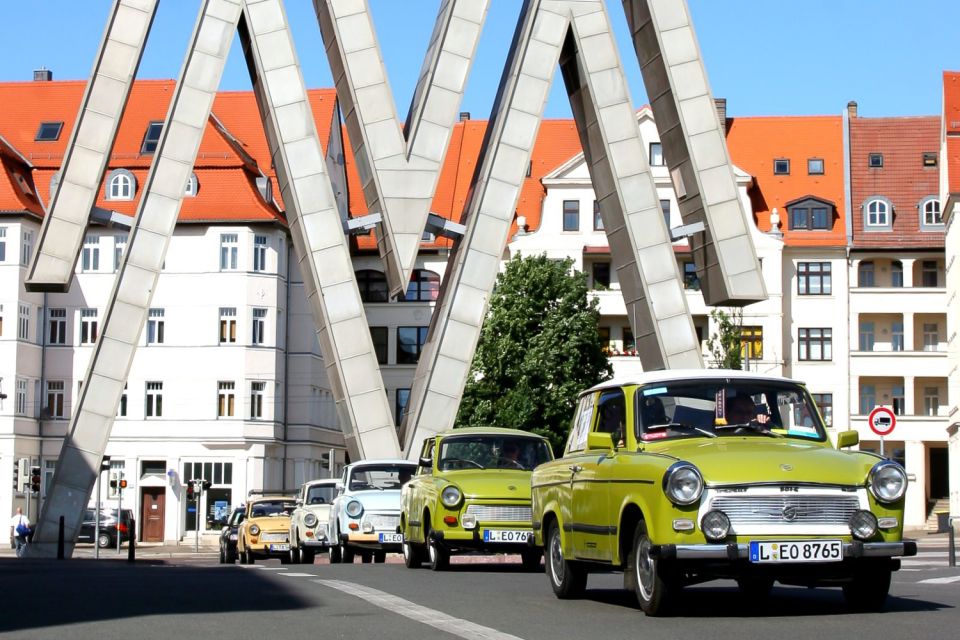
(204, 485)
(190, 493)
(35, 479)
(123, 484)
(114, 482)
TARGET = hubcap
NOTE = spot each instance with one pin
(556, 559)
(646, 568)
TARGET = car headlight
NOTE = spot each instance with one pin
(451, 496)
(254, 530)
(310, 520)
(863, 524)
(682, 483)
(888, 481)
(354, 509)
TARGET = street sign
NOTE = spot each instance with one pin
(882, 421)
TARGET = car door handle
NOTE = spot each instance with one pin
(575, 468)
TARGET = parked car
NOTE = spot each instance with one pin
(365, 515)
(472, 494)
(228, 535)
(108, 527)
(264, 531)
(310, 522)
(722, 474)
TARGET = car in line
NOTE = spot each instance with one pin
(228, 535)
(472, 494)
(680, 477)
(265, 530)
(310, 521)
(365, 515)
(109, 528)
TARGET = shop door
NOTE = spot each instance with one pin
(151, 518)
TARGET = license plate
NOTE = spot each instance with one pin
(505, 535)
(391, 538)
(797, 551)
(280, 547)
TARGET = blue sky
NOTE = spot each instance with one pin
(767, 57)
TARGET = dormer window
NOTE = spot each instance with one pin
(49, 131)
(930, 217)
(121, 185)
(875, 160)
(929, 159)
(781, 167)
(152, 137)
(192, 185)
(877, 213)
(810, 214)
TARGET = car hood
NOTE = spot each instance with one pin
(736, 460)
(322, 511)
(386, 500)
(490, 483)
(271, 523)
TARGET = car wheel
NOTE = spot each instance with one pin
(755, 588)
(366, 557)
(285, 558)
(652, 582)
(346, 553)
(439, 556)
(104, 541)
(412, 554)
(531, 559)
(231, 556)
(379, 557)
(567, 578)
(294, 553)
(868, 590)
(223, 556)
(306, 556)
(335, 555)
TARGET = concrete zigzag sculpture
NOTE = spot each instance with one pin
(400, 178)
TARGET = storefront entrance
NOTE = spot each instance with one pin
(152, 504)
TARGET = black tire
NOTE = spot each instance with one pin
(306, 556)
(335, 557)
(439, 555)
(755, 588)
(650, 577)
(412, 554)
(531, 559)
(366, 557)
(346, 553)
(231, 556)
(568, 578)
(285, 559)
(379, 557)
(294, 553)
(223, 556)
(868, 590)
(105, 541)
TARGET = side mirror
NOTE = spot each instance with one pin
(598, 440)
(426, 462)
(847, 439)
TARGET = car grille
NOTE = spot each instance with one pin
(383, 522)
(273, 537)
(499, 513)
(787, 510)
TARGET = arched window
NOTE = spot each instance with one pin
(121, 185)
(865, 274)
(192, 186)
(373, 286)
(930, 215)
(877, 213)
(424, 286)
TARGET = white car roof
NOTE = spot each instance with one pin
(380, 461)
(672, 375)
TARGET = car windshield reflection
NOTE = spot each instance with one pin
(492, 452)
(272, 508)
(380, 477)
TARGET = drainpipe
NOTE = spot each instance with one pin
(286, 368)
(851, 111)
(43, 383)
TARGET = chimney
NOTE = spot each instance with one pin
(464, 116)
(42, 75)
(721, 104)
(852, 109)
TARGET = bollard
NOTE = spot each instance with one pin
(60, 540)
(132, 544)
(952, 550)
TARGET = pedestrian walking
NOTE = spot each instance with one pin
(20, 530)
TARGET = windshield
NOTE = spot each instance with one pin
(272, 508)
(321, 494)
(492, 452)
(380, 477)
(724, 407)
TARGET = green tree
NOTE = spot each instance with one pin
(539, 347)
(725, 344)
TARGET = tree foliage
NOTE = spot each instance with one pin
(725, 345)
(538, 348)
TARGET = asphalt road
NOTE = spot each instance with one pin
(182, 597)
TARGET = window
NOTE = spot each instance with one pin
(256, 399)
(604, 334)
(259, 326)
(225, 399)
(601, 275)
(122, 409)
(931, 401)
(88, 326)
(155, 326)
(151, 137)
(865, 273)
(116, 472)
(929, 159)
(215, 472)
(228, 251)
(751, 343)
(571, 215)
(898, 400)
(815, 344)
(930, 215)
(690, 279)
(90, 260)
(928, 273)
(424, 286)
(597, 220)
(21, 400)
(629, 344)
(824, 402)
(57, 327)
(121, 185)
(815, 166)
(3, 244)
(228, 325)
(427, 236)
(27, 248)
(814, 279)
(868, 398)
(875, 160)
(49, 131)
(193, 185)
(878, 214)
(612, 414)
(781, 167)
(665, 208)
(381, 337)
(867, 336)
(55, 398)
(403, 399)
(809, 216)
(23, 326)
(154, 408)
(373, 286)
(49, 468)
(119, 247)
(931, 336)
(896, 274)
(656, 155)
(410, 341)
(259, 253)
(896, 336)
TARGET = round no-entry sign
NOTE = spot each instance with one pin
(882, 421)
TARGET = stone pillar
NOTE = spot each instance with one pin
(909, 397)
(907, 271)
(915, 513)
(909, 337)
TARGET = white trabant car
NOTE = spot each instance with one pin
(310, 522)
(365, 515)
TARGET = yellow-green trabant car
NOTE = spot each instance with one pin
(679, 477)
(265, 532)
(472, 493)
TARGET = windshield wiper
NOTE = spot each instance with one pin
(683, 425)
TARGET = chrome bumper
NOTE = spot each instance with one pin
(742, 551)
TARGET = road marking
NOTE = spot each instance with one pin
(298, 575)
(425, 615)
(945, 580)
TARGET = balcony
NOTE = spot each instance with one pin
(899, 363)
(887, 299)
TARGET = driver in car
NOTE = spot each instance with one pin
(741, 410)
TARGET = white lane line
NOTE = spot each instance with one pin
(945, 580)
(272, 568)
(298, 575)
(424, 615)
